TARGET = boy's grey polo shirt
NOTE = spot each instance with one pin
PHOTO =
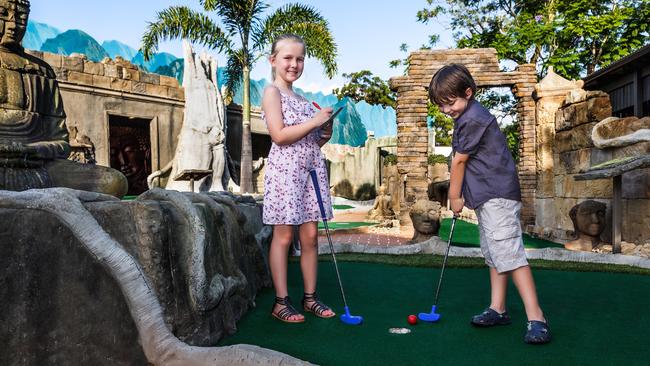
(490, 170)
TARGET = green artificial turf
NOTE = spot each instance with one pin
(342, 207)
(466, 235)
(596, 319)
(335, 225)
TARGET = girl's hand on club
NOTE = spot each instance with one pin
(322, 116)
(326, 132)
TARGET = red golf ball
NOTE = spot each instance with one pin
(412, 319)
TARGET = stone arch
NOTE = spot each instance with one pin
(412, 135)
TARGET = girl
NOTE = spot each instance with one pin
(298, 132)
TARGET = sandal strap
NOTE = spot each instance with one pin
(316, 305)
(288, 310)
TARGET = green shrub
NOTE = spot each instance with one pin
(344, 189)
(436, 159)
(390, 159)
(365, 192)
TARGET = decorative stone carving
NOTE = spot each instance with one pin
(588, 219)
(197, 279)
(382, 209)
(615, 132)
(201, 143)
(425, 216)
(33, 135)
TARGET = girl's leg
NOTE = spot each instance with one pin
(282, 236)
(308, 234)
(498, 290)
(523, 279)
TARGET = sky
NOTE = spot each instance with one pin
(368, 33)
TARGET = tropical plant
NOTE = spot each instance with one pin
(441, 123)
(244, 37)
(362, 85)
(436, 159)
(390, 159)
(576, 37)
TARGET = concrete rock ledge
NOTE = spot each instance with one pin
(437, 246)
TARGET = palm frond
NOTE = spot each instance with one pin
(178, 22)
(306, 22)
(235, 70)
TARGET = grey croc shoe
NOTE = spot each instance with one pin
(490, 317)
(537, 332)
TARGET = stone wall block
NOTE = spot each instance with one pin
(138, 87)
(150, 78)
(577, 161)
(80, 78)
(574, 139)
(114, 71)
(637, 220)
(102, 81)
(158, 90)
(567, 187)
(94, 68)
(131, 74)
(599, 108)
(169, 81)
(636, 184)
(73, 63)
(176, 93)
(121, 84)
(55, 60)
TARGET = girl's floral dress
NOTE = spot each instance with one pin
(289, 197)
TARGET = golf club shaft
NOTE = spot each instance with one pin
(314, 179)
(444, 261)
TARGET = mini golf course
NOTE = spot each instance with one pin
(597, 318)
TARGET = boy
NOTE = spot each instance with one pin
(483, 169)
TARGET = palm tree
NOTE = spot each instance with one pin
(243, 36)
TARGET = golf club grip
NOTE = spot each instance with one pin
(314, 180)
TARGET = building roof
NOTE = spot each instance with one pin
(639, 58)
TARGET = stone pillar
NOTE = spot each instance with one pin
(412, 146)
(523, 88)
(550, 92)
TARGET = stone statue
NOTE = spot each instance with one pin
(131, 153)
(201, 143)
(33, 134)
(382, 209)
(425, 216)
(588, 223)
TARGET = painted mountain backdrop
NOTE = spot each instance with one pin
(351, 126)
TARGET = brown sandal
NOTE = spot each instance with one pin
(287, 312)
(316, 307)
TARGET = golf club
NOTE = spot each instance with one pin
(345, 318)
(433, 316)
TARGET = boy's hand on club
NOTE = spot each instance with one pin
(456, 205)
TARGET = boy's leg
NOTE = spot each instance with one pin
(523, 279)
(498, 290)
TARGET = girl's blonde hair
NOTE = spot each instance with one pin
(285, 37)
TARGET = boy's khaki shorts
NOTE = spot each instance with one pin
(500, 234)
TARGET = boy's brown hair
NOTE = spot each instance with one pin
(451, 81)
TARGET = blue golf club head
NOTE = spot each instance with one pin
(351, 319)
(431, 317)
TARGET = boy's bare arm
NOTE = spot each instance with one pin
(458, 164)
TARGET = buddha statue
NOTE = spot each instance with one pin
(425, 216)
(33, 133)
(382, 208)
(588, 219)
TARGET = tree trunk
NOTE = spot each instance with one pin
(246, 176)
